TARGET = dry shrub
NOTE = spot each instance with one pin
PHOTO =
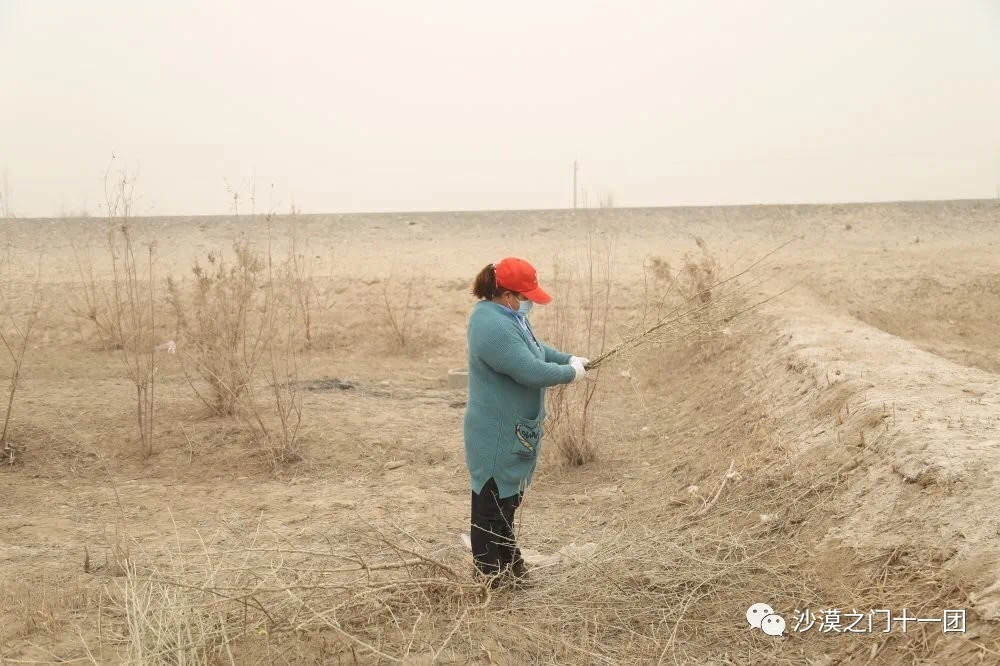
(700, 274)
(664, 287)
(220, 327)
(403, 300)
(123, 307)
(693, 306)
(399, 313)
(299, 280)
(17, 330)
(577, 322)
(700, 284)
(136, 301)
(281, 441)
(236, 326)
(94, 301)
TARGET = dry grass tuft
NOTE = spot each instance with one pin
(220, 597)
(93, 302)
(298, 275)
(43, 606)
(398, 313)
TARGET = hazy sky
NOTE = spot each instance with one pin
(432, 105)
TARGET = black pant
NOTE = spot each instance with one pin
(492, 534)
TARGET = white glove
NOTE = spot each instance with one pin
(581, 372)
(579, 358)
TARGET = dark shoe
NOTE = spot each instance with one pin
(520, 570)
(513, 575)
(493, 580)
(502, 581)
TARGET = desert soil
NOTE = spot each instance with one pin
(879, 360)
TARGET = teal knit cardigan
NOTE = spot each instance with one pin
(508, 374)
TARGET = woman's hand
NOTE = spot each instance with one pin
(579, 358)
(581, 371)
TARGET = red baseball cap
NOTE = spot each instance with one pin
(518, 275)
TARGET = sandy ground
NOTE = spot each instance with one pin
(881, 362)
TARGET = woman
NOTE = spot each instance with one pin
(509, 370)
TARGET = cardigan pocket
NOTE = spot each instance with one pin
(527, 437)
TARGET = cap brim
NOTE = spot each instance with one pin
(538, 295)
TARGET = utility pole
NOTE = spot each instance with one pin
(574, 183)
(5, 206)
(998, 173)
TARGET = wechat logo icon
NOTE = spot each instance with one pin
(762, 616)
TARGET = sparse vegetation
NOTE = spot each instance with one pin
(398, 313)
(281, 369)
(16, 333)
(730, 452)
(93, 302)
(132, 303)
(239, 324)
(300, 281)
(578, 321)
(223, 323)
(703, 304)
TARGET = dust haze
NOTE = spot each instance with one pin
(237, 242)
(353, 106)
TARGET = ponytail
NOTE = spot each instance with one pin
(485, 285)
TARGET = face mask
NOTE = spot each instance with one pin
(525, 307)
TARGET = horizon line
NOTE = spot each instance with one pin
(520, 210)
